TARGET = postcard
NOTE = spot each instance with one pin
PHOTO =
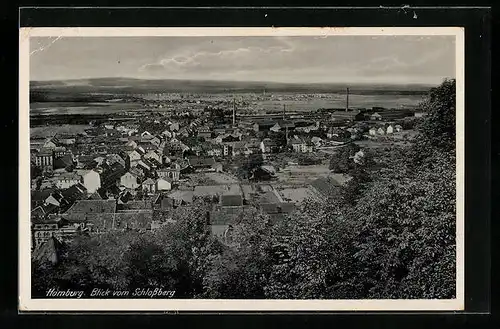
(241, 169)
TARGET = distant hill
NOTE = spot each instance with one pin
(130, 85)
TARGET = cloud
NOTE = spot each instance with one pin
(224, 59)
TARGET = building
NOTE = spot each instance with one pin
(389, 130)
(269, 146)
(153, 155)
(66, 180)
(172, 173)
(45, 159)
(353, 115)
(263, 125)
(129, 181)
(301, 146)
(149, 186)
(163, 184)
(134, 157)
(90, 179)
(44, 230)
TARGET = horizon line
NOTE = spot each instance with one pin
(247, 81)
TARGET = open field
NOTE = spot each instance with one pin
(49, 131)
(297, 195)
(79, 107)
(221, 178)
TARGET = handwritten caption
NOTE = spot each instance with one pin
(110, 293)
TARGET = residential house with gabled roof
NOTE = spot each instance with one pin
(269, 146)
(153, 155)
(91, 179)
(163, 184)
(75, 192)
(134, 157)
(149, 185)
(129, 181)
(68, 179)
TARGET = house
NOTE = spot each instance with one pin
(149, 186)
(153, 155)
(150, 139)
(167, 134)
(381, 131)
(316, 141)
(300, 145)
(217, 167)
(75, 192)
(269, 146)
(204, 164)
(238, 148)
(56, 199)
(214, 151)
(389, 130)
(206, 133)
(227, 149)
(66, 180)
(131, 144)
(50, 144)
(129, 181)
(45, 230)
(134, 157)
(372, 131)
(90, 179)
(163, 184)
(174, 127)
(115, 158)
(63, 162)
(398, 128)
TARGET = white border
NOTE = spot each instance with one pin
(28, 304)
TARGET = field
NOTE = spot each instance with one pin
(301, 175)
(296, 195)
(49, 131)
(221, 178)
(79, 107)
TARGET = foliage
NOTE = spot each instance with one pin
(247, 165)
(389, 234)
(342, 161)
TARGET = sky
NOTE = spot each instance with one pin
(299, 59)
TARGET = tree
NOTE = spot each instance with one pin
(342, 161)
(247, 166)
(241, 271)
(437, 131)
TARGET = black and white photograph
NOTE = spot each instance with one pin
(242, 169)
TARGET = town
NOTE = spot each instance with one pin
(133, 169)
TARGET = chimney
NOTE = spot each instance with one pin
(234, 113)
(284, 111)
(347, 100)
